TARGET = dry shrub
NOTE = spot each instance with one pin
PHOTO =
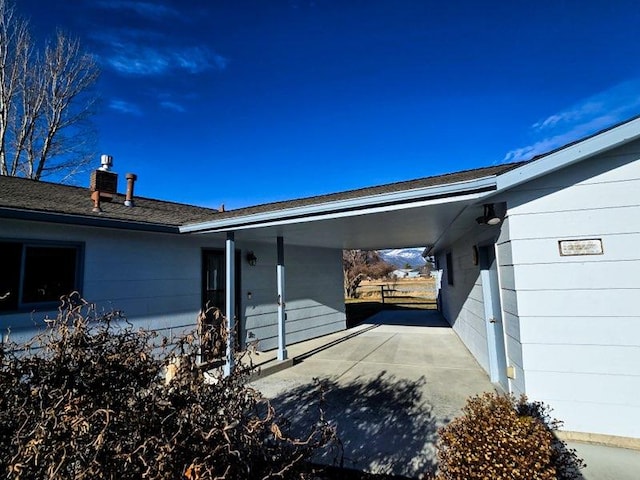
(499, 436)
(87, 399)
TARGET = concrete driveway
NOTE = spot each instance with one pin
(389, 385)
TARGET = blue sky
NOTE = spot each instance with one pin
(244, 102)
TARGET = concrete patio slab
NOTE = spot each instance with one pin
(608, 463)
(388, 386)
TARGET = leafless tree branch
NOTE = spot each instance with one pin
(357, 265)
(46, 102)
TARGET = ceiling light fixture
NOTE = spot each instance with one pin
(489, 217)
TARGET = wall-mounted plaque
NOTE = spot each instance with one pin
(591, 246)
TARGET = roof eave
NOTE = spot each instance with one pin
(357, 205)
(577, 152)
(69, 219)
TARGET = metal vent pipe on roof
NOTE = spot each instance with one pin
(131, 179)
(106, 162)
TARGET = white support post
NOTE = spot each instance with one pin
(282, 315)
(230, 301)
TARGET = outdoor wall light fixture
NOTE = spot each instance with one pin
(251, 258)
(489, 217)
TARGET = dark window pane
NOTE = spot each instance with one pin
(215, 278)
(10, 260)
(49, 273)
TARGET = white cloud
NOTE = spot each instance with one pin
(551, 143)
(144, 9)
(176, 107)
(586, 117)
(132, 59)
(138, 61)
(125, 107)
(198, 59)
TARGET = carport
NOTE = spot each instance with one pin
(553, 203)
(430, 211)
(388, 386)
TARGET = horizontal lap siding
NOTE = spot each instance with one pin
(596, 417)
(154, 279)
(579, 317)
(580, 330)
(462, 302)
(313, 290)
(594, 403)
(509, 304)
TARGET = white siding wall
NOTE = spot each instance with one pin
(579, 320)
(155, 279)
(509, 302)
(314, 294)
(462, 302)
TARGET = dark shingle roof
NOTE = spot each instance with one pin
(463, 176)
(33, 196)
(19, 194)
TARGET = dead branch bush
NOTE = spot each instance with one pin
(87, 399)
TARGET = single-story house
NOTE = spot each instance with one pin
(405, 273)
(540, 278)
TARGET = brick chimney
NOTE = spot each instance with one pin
(103, 183)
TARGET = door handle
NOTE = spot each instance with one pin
(492, 320)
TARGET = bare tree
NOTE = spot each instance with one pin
(352, 275)
(358, 265)
(46, 102)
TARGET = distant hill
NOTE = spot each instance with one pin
(399, 257)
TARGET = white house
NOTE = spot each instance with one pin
(540, 274)
(405, 273)
(136, 260)
(546, 300)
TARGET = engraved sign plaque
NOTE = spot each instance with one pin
(591, 246)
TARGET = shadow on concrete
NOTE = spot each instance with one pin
(409, 318)
(571, 465)
(361, 312)
(302, 357)
(383, 423)
(405, 317)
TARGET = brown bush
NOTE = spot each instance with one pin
(499, 436)
(87, 400)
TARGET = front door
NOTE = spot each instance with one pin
(214, 289)
(493, 316)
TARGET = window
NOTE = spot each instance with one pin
(36, 274)
(449, 269)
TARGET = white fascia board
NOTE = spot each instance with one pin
(472, 197)
(587, 148)
(348, 207)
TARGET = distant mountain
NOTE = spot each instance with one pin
(399, 257)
